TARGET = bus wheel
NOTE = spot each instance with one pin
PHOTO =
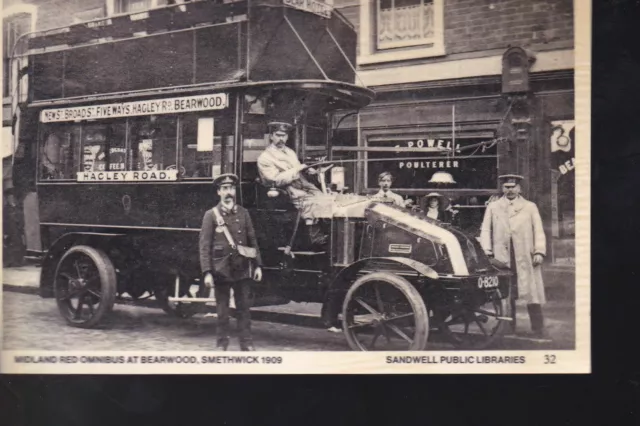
(474, 325)
(85, 286)
(383, 311)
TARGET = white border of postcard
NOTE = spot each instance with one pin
(426, 362)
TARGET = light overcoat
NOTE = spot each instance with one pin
(280, 168)
(521, 221)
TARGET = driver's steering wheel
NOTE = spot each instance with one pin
(320, 174)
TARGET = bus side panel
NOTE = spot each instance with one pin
(177, 205)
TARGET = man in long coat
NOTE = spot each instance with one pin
(513, 234)
(279, 166)
(224, 228)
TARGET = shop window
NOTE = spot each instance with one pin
(392, 30)
(413, 169)
(207, 146)
(153, 143)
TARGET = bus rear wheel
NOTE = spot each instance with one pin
(85, 286)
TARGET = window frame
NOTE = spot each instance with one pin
(128, 145)
(370, 53)
(372, 187)
(113, 5)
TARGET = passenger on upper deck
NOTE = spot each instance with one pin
(279, 166)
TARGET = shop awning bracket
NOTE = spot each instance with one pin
(286, 18)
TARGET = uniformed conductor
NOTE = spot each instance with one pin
(230, 258)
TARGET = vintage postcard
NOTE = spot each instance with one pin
(339, 186)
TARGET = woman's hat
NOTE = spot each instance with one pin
(433, 194)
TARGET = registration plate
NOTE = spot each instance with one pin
(488, 282)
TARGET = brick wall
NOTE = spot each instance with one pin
(477, 25)
(474, 25)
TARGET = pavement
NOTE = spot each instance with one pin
(559, 314)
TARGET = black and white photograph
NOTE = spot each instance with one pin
(342, 186)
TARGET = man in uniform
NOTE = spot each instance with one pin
(227, 229)
(513, 234)
(279, 166)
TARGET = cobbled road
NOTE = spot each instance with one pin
(33, 323)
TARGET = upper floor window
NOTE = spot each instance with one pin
(133, 6)
(404, 23)
(128, 6)
(17, 21)
(396, 30)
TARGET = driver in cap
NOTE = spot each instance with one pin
(279, 166)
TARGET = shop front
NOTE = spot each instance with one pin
(532, 134)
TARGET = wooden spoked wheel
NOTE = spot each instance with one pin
(384, 312)
(85, 286)
(476, 325)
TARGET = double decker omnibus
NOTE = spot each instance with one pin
(130, 117)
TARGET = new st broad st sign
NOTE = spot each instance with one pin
(313, 6)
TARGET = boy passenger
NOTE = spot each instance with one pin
(386, 194)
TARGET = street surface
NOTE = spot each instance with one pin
(31, 322)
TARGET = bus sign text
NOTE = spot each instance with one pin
(129, 176)
(130, 109)
(313, 6)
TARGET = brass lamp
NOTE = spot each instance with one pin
(442, 177)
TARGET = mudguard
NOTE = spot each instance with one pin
(339, 285)
(347, 274)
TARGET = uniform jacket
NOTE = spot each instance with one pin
(396, 198)
(521, 222)
(280, 168)
(216, 255)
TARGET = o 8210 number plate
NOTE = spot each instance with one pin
(488, 282)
